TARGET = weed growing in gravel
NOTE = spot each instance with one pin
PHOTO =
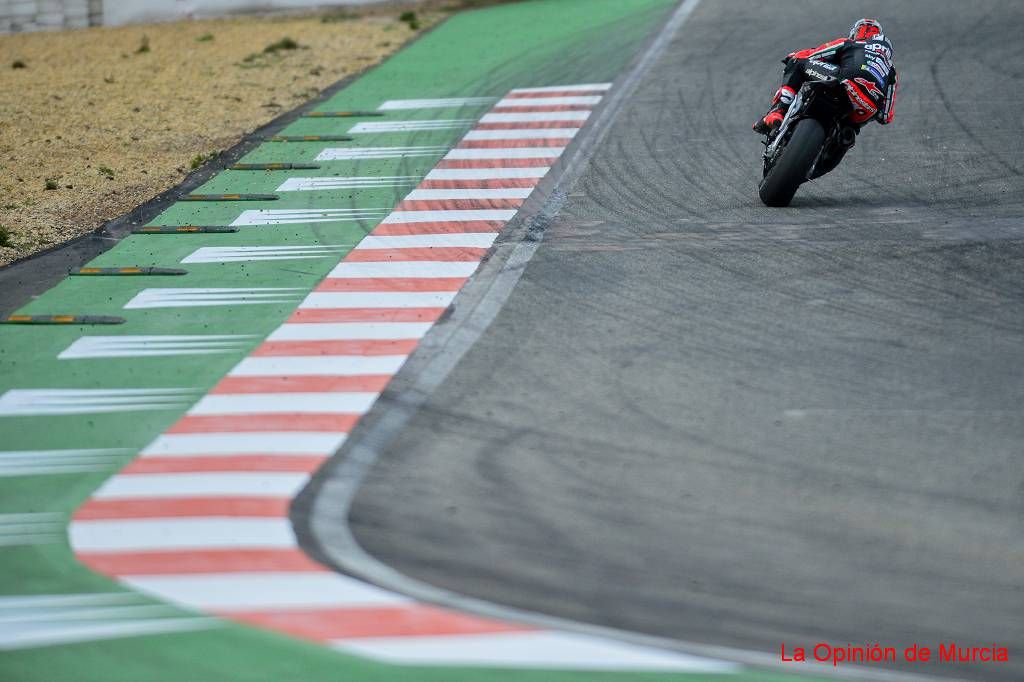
(5, 236)
(285, 43)
(199, 159)
(143, 46)
(18, 64)
(51, 184)
(410, 18)
(107, 172)
(257, 60)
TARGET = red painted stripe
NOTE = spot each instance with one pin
(505, 183)
(247, 423)
(341, 347)
(437, 227)
(542, 108)
(555, 93)
(392, 284)
(446, 254)
(301, 384)
(179, 507)
(528, 125)
(457, 204)
(495, 163)
(241, 462)
(366, 315)
(511, 144)
(196, 562)
(350, 623)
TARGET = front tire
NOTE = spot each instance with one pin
(790, 171)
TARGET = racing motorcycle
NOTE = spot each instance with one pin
(811, 140)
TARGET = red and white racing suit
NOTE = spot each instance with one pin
(865, 69)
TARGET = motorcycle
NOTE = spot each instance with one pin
(811, 140)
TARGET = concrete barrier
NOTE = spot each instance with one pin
(39, 15)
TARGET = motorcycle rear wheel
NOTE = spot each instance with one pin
(790, 171)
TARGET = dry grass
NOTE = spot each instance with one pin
(100, 120)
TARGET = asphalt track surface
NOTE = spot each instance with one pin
(700, 418)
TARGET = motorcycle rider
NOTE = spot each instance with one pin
(863, 64)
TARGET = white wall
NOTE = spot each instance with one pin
(37, 15)
(117, 12)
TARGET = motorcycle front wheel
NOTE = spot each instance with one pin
(790, 170)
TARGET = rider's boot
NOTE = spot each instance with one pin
(780, 105)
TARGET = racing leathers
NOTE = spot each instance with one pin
(864, 68)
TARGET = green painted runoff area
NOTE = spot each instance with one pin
(478, 53)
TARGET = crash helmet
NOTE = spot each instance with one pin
(866, 29)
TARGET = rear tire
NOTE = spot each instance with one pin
(790, 171)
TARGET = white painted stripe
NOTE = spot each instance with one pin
(540, 100)
(51, 634)
(38, 402)
(545, 649)
(54, 468)
(409, 126)
(478, 193)
(486, 173)
(218, 444)
(405, 269)
(296, 216)
(402, 217)
(235, 254)
(31, 517)
(164, 486)
(189, 298)
(277, 403)
(522, 134)
(329, 183)
(55, 462)
(32, 528)
(334, 365)
(399, 104)
(482, 240)
(536, 117)
(354, 331)
(360, 153)
(151, 346)
(29, 534)
(38, 602)
(114, 612)
(505, 153)
(378, 299)
(63, 455)
(258, 591)
(155, 535)
(582, 87)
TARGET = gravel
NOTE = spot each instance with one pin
(100, 120)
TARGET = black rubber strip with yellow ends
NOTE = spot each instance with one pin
(229, 197)
(310, 138)
(273, 166)
(185, 229)
(125, 272)
(62, 319)
(341, 114)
